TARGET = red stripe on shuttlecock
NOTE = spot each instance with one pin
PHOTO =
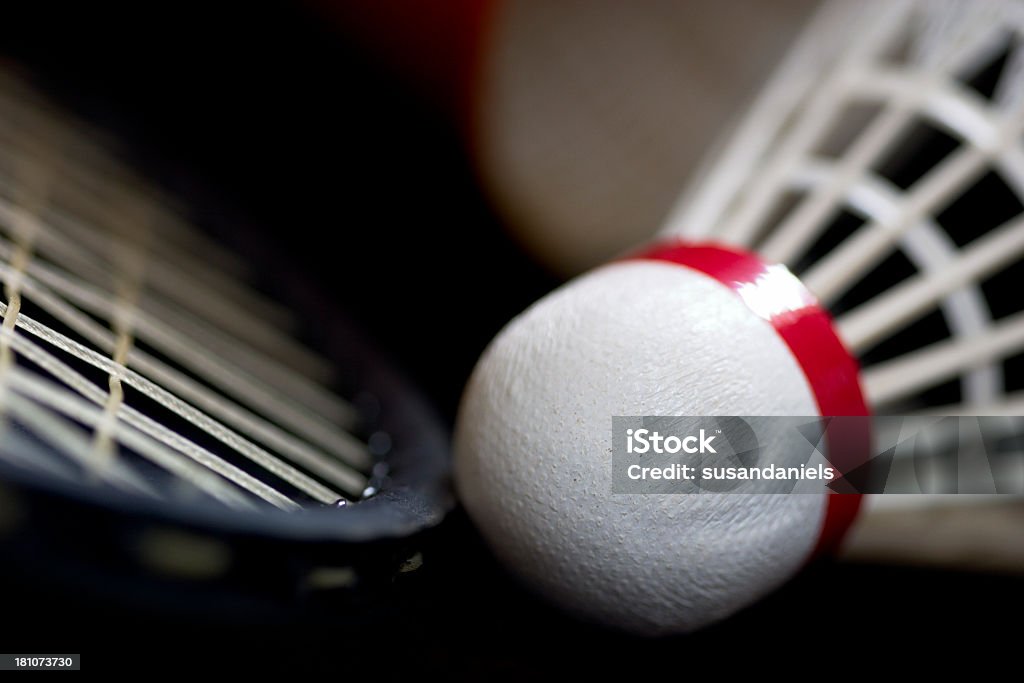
(776, 295)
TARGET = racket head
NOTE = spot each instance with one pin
(194, 552)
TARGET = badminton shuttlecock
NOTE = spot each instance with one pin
(883, 165)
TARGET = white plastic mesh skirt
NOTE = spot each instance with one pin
(884, 164)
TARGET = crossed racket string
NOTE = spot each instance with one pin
(101, 279)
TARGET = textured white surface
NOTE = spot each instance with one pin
(533, 449)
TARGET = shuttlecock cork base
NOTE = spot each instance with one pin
(677, 329)
(776, 295)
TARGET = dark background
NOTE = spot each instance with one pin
(268, 116)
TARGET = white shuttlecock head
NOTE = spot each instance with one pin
(533, 460)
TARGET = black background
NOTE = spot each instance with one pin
(266, 115)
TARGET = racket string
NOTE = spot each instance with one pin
(124, 292)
